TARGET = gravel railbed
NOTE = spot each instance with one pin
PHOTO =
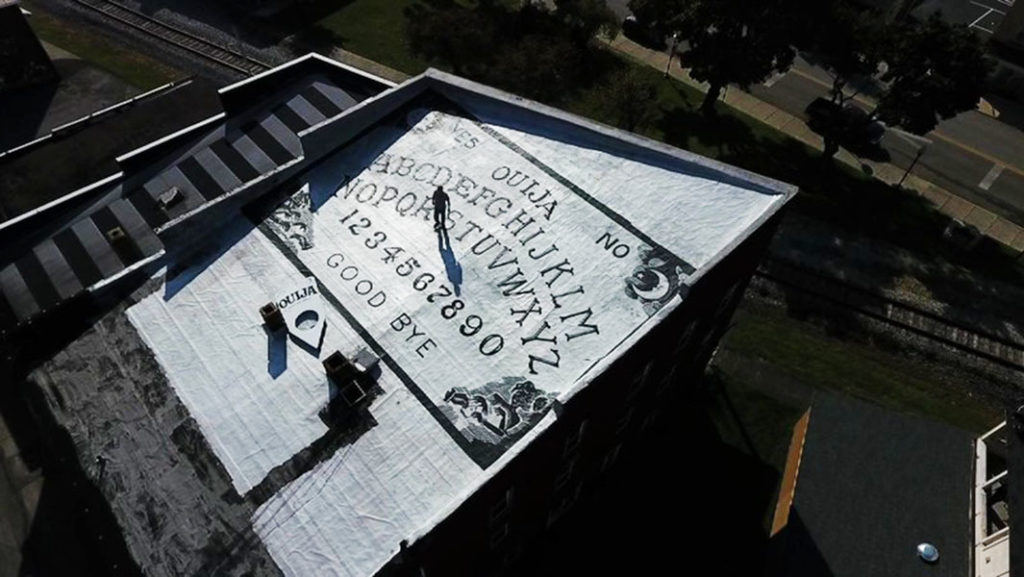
(157, 49)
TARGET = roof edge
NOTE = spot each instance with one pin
(130, 156)
(331, 133)
(7, 224)
(751, 179)
(298, 62)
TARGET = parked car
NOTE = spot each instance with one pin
(643, 34)
(850, 124)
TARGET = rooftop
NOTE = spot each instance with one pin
(566, 241)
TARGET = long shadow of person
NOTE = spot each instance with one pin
(451, 266)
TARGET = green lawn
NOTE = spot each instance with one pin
(769, 349)
(100, 51)
(751, 420)
(375, 30)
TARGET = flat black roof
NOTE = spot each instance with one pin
(873, 484)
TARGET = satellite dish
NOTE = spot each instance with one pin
(928, 552)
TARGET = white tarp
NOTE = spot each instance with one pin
(531, 283)
(481, 326)
(254, 395)
(692, 216)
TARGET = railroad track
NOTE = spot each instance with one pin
(981, 343)
(206, 49)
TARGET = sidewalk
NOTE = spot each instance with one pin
(989, 223)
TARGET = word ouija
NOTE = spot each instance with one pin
(296, 296)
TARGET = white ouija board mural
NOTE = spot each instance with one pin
(481, 326)
(529, 283)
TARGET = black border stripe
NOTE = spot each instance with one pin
(320, 102)
(148, 208)
(206, 185)
(234, 160)
(611, 214)
(37, 281)
(78, 258)
(463, 443)
(127, 251)
(290, 118)
(268, 144)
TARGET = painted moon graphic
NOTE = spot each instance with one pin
(657, 290)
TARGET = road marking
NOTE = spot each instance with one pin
(991, 177)
(977, 152)
(989, 8)
(979, 19)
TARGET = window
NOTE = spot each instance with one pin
(572, 440)
(564, 474)
(667, 382)
(498, 535)
(501, 507)
(513, 553)
(649, 421)
(623, 422)
(611, 457)
(685, 337)
(563, 504)
(640, 381)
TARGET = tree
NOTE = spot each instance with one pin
(460, 39)
(585, 19)
(631, 100)
(537, 66)
(934, 71)
(847, 42)
(735, 42)
(659, 14)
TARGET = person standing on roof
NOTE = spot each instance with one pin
(441, 207)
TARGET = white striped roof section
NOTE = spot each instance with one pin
(141, 216)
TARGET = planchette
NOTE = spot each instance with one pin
(303, 311)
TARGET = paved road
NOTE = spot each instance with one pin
(972, 155)
(984, 16)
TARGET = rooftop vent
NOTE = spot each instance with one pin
(272, 316)
(343, 373)
(928, 552)
(116, 235)
(170, 197)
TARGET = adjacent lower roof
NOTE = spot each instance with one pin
(873, 484)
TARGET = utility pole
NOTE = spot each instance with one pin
(671, 53)
(918, 141)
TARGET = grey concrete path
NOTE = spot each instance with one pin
(989, 223)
